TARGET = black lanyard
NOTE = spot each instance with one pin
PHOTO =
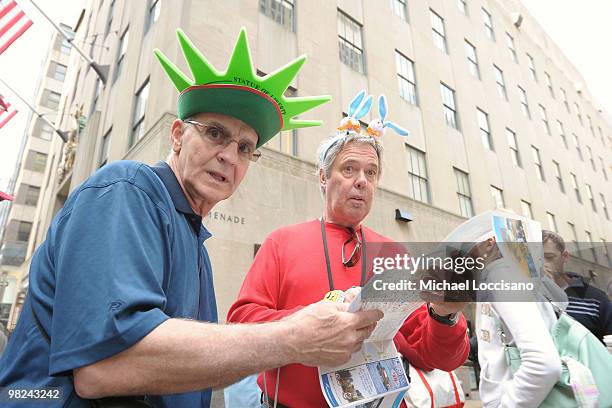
(329, 272)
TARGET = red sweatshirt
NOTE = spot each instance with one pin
(289, 272)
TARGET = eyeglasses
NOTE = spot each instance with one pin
(218, 136)
(356, 254)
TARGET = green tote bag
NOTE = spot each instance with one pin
(575, 342)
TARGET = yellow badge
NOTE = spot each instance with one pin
(336, 296)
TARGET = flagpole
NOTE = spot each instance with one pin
(100, 70)
(61, 133)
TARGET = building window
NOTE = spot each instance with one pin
(121, 50)
(604, 252)
(40, 162)
(526, 209)
(498, 197)
(514, 151)
(574, 182)
(349, 38)
(564, 99)
(109, 19)
(287, 141)
(417, 175)
(524, 104)
(552, 223)
(406, 78)
(488, 24)
(603, 168)
(96, 96)
(140, 105)
(23, 231)
(464, 193)
(562, 133)
(448, 106)
(59, 71)
(501, 85)
(399, 9)
(604, 207)
(51, 99)
(591, 158)
(43, 130)
(35, 161)
(152, 14)
(511, 48)
(281, 11)
(549, 84)
(574, 237)
(577, 143)
(591, 246)
(485, 132)
(590, 197)
(557, 170)
(590, 125)
(544, 119)
(31, 195)
(65, 47)
(472, 59)
(532, 70)
(538, 162)
(103, 159)
(437, 29)
(462, 5)
(577, 110)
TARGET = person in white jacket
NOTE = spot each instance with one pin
(526, 325)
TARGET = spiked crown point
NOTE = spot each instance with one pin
(238, 91)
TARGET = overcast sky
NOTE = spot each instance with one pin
(581, 28)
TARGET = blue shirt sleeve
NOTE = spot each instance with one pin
(110, 254)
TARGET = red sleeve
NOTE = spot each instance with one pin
(258, 297)
(428, 344)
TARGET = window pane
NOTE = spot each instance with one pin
(526, 209)
(406, 79)
(32, 194)
(349, 37)
(23, 233)
(40, 161)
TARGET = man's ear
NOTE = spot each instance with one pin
(322, 179)
(565, 256)
(176, 135)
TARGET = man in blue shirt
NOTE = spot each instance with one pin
(121, 300)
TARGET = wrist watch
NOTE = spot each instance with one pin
(450, 319)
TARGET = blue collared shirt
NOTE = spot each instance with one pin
(125, 253)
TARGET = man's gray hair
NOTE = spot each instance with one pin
(330, 148)
(554, 238)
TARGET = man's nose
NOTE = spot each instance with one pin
(361, 180)
(229, 153)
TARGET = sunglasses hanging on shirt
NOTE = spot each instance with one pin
(356, 254)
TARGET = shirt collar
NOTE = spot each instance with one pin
(165, 173)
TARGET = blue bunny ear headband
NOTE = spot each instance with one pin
(350, 126)
(359, 107)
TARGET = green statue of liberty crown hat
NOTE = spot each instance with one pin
(239, 92)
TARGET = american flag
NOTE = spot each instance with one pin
(4, 196)
(13, 23)
(6, 112)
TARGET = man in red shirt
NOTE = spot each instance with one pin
(298, 264)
